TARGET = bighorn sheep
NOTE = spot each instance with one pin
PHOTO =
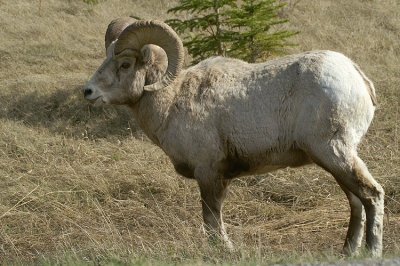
(225, 118)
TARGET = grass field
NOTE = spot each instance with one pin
(82, 183)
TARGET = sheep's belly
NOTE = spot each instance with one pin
(234, 166)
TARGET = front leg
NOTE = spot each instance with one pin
(213, 190)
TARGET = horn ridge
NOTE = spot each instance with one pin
(155, 32)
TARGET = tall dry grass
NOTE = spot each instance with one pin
(83, 181)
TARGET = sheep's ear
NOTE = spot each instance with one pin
(146, 54)
(147, 58)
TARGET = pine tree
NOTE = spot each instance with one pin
(251, 24)
(206, 28)
(223, 27)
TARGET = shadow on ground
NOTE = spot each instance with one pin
(66, 112)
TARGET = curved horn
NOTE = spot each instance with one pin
(154, 32)
(115, 28)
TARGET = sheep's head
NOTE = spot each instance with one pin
(133, 63)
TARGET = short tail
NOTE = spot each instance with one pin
(369, 84)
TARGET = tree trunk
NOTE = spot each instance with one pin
(218, 33)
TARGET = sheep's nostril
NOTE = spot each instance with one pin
(87, 92)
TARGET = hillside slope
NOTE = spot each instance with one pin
(84, 181)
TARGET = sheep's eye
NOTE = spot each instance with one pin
(125, 65)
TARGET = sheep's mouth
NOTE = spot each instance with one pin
(96, 101)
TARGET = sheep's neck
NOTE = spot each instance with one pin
(151, 112)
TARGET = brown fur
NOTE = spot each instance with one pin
(364, 183)
(185, 170)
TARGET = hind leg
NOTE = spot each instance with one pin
(373, 201)
(356, 225)
(352, 175)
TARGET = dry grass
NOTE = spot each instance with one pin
(81, 181)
